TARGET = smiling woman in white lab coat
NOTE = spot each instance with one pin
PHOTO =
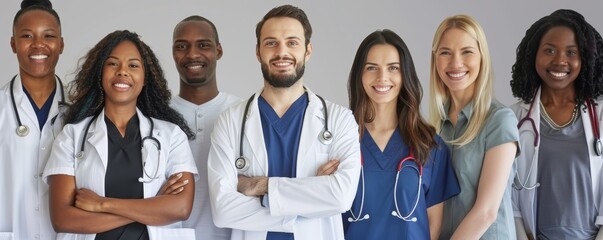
(101, 184)
(29, 104)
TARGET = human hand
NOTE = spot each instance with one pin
(252, 186)
(88, 200)
(328, 168)
(173, 186)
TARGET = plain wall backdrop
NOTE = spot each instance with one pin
(338, 29)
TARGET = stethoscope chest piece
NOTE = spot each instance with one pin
(598, 147)
(22, 130)
(242, 163)
(326, 137)
(79, 155)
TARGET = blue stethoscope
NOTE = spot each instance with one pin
(396, 213)
(22, 129)
(146, 178)
(598, 146)
(242, 163)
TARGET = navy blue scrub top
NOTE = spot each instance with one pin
(124, 167)
(439, 183)
(281, 138)
(41, 113)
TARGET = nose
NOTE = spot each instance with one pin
(383, 74)
(192, 52)
(456, 61)
(122, 71)
(560, 59)
(38, 42)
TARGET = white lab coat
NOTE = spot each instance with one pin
(524, 200)
(90, 172)
(308, 206)
(24, 201)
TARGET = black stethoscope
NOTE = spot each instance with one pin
(594, 123)
(22, 129)
(242, 163)
(396, 213)
(147, 178)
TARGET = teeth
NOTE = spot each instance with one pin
(559, 74)
(457, 75)
(383, 89)
(38, 57)
(195, 67)
(121, 85)
(282, 64)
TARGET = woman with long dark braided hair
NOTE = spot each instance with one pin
(100, 181)
(558, 76)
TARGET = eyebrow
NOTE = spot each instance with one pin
(388, 64)
(287, 38)
(568, 46)
(129, 59)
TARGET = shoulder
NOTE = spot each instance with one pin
(500, 114)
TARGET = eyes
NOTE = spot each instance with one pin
(134, 64)
(289, 43)
(180, 46)
(552, 51)
(45, 36)
(464, 52)
(374, 68)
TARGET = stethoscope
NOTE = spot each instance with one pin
(396, 213)
(22, 129)
(242, 163)
(594, 123)
(146, 178)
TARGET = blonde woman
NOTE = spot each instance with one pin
(480, 132)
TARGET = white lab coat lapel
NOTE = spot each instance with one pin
(312, 126)
(98, 139)
(26, 112)
(255, 140)
(150, 163)
(596, 162)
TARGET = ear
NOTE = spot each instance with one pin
(308, 51)
(12, 44)
(220, 51)
(62, 46)
(257, 53)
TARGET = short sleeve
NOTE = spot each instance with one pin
(443, 184)
(62, 160)
(501, 128)
(180, 157)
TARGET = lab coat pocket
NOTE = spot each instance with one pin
(160, 233)
(6, 235)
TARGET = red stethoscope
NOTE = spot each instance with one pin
(396, 213)
(594, 123)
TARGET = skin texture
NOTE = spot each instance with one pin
(37, 42)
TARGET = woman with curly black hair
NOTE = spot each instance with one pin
(558, 75)
(100, 181)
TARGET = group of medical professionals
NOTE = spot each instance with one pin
(112, 155)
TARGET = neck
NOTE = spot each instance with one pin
(386, 118)
(120, 116)
(458, 100)
(280, 99)
(39, 88)
(549, 96)
(198, 95)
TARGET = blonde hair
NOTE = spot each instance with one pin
(482, 95)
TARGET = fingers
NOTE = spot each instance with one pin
(328, 168)
(174, 185)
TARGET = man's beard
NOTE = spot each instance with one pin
(283, 80)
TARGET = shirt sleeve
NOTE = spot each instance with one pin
(61, 160)
(501, 128)
(180, 157)
(443, 184)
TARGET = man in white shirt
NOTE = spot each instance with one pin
(265, 166)
(196, 49)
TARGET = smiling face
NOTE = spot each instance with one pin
(123, 75)
(381, 75)
(37, 42)
(558, 59)
(282, 51)
(458, 60)
(196, 52)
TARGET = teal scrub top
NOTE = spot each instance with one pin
(499, 128)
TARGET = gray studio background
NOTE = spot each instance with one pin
(339, 27)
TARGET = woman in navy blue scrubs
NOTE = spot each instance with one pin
(406, 174)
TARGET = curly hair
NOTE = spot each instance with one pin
(87, 95)
(416, 132)
(589, 83)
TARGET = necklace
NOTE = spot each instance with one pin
(552, 123)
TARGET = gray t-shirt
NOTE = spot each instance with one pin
(500, 127)
(566, 208)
